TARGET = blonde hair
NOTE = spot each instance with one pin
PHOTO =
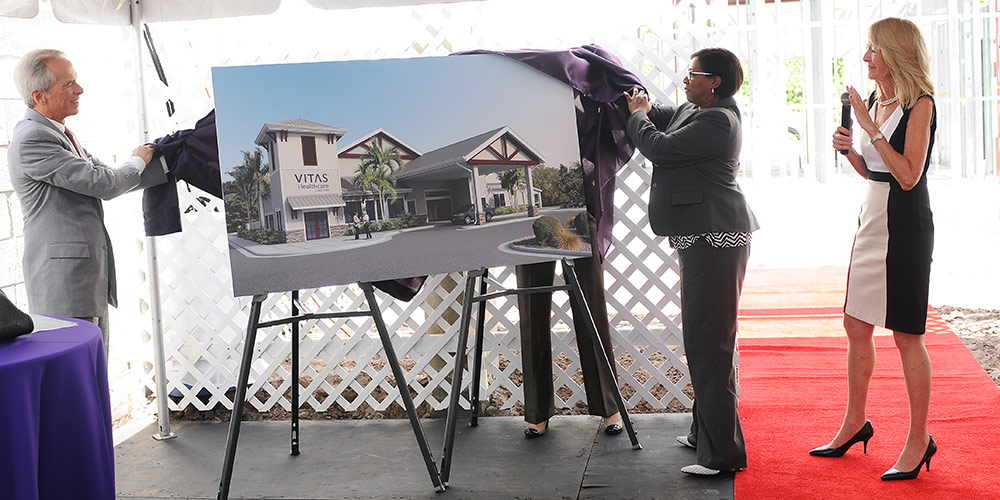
(904, 51)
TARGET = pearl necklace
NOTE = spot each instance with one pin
(887, 101)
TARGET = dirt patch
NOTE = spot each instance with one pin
(979, 329)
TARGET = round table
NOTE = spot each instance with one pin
(55, 416)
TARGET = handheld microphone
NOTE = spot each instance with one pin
(845, 114)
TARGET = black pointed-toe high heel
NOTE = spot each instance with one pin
(897, 475)
(863, 435)
(536, 432)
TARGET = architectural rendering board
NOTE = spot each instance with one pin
(342, 172)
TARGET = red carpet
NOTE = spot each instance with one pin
(792, 313)
(793, 396)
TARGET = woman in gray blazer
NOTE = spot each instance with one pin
(694, 201)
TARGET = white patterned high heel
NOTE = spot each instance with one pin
(686, 442)
(699, 470)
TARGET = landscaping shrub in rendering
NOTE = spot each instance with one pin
(263, 236)
(547, 228)
(569, 241)
(580, 224)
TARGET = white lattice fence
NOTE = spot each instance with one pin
(204, 325)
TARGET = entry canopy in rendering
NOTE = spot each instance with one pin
(353, 171)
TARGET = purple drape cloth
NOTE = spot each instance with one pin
(600, 80)
(192, 156)
(55, 417)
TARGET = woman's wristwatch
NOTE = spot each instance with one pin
(877, 137)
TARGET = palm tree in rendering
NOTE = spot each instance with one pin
(377, 179)
(376, 173)
(249, 179)
(510, 180)
(255, 163)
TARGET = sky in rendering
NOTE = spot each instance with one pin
(426, 102)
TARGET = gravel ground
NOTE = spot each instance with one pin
(980, 330)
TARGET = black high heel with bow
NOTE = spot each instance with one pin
(898, 475)
(863, 435)
(536, 432)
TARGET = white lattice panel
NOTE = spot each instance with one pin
(205, 325)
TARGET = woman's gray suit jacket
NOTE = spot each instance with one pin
(68, 261)
(695, 161)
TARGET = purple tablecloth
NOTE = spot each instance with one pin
(55, 417)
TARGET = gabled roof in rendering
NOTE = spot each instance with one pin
(383, 138)
(494, 151)
(297, 126)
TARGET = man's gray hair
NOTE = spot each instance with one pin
(31, 74)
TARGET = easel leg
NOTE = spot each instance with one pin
(404, 391)
(295, 375)
(241, 395)
(456, 376)
(477, 360)
(569, 273)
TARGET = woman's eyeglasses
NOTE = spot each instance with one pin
(692, 73)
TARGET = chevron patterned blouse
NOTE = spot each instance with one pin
(715, 240)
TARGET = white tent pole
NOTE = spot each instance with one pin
(159, 361)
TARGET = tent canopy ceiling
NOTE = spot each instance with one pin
(19, 8)
(116, 12)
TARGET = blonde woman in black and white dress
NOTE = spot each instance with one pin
(888, 277)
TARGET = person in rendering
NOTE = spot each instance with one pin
(695, 201)
(887, 281)
(366, 222)
(69, 267)
(357, 225)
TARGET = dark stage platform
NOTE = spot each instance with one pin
(379, 459)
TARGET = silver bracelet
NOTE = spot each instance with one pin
(877, 137)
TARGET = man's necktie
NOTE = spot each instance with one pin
(72, 140)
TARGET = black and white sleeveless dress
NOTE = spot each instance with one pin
(889, 273)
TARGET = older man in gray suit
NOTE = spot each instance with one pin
(69, 266)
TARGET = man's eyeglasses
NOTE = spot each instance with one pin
(692, 73)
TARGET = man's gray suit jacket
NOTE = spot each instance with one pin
(68, 261)
(695, 154)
